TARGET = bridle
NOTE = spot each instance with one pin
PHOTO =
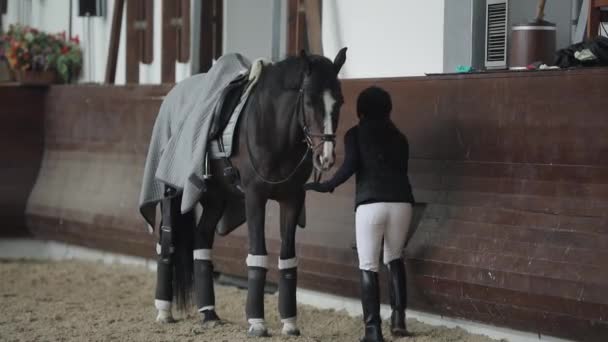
(308, 136)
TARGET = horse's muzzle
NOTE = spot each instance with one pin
(324, 159)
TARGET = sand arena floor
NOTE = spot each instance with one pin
(80, 301)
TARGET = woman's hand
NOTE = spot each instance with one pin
(319, 187)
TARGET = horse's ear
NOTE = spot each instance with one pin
(340, 59)
(307, 62)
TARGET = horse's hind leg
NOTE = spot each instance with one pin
(257, 264)
(203, 266)
(288, 280)
(164, 269)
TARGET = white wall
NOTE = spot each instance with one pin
(248, 27)
(385, 38)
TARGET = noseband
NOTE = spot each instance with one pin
(308, 139)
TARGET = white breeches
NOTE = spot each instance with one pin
(378, 221)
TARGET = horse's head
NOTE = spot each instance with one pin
(321, 97)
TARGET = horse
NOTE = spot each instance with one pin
(285, 131)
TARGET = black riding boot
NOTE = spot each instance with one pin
(398, 297)
(370, 299)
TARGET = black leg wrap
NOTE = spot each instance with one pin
(255, 292)
(398, 297)
(164, 269)
(203, 283)
(164, 280)
(287, 292)
(370, 300)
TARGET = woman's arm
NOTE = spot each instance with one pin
(348, 168)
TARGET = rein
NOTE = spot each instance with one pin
(310, 147)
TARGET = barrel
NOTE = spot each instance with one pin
(532, 42)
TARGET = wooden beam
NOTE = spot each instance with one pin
(593, 25)
(211, 33)
(147, 54)
(169, 42)
(183, 30)
(296, 27)
(218, 28)
(313, 26)
(114, 41)
(133, 41)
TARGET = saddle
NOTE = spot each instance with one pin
(229, 99)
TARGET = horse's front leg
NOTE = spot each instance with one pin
(288, 282)
(257, 264)
(203, 266)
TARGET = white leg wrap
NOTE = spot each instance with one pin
(158, 249)
(290, 320)
(257, 321)
(162, 305)
(205, 308)
(290, 327)
(202, 254)
(257, 261)
(288, 263)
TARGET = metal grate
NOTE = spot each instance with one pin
(496, 33)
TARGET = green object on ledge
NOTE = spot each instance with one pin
(464, 68)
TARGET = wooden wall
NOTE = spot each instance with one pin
(513, 168)
(21, 144)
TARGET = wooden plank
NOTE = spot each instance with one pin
(133, 41)
(296, 28)
(169, 42)
(218, 28)
(211, 33)
(314, 26)
(21, 150)
(114, 41)
(147, 54)
(183, 31)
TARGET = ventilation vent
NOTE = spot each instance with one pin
(496, 34)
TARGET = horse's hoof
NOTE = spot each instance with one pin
(256, 330)
(211, 324)
(210, 319)
(400, 332)
(290, 331)
(164, 317)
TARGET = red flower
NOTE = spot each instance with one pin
(75, 39)
(64, 50)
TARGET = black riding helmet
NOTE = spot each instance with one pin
(374, 103)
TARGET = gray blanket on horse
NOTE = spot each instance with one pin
(180, 135)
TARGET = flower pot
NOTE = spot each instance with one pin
(31, 77)
(5, 72)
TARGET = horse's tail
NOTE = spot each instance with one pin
(183, 242)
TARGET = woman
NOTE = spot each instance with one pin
(378, 153)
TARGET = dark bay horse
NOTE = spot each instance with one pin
(286, 129)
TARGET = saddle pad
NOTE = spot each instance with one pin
(215, 150)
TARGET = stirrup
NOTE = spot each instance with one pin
(206, 170)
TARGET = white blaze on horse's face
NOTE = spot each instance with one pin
(327, 157)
